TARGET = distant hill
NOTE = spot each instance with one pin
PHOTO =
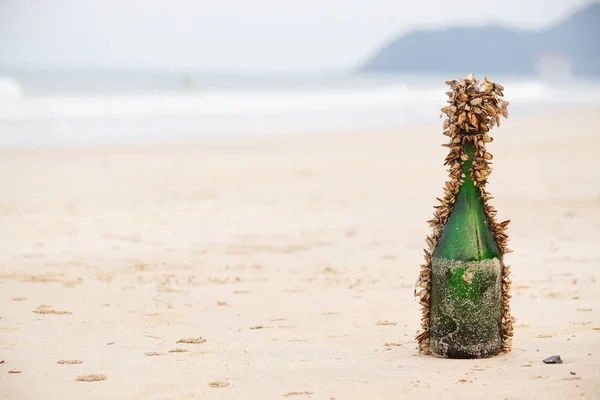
(570, 46)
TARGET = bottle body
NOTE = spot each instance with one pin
(466, 279)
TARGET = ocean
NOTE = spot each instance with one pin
(103, 108)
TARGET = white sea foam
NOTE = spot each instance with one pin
(177, 104)
(9, 88)
(63, 117)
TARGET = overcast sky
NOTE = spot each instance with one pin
(273, 35)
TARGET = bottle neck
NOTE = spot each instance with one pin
(467, 235)
(469, 148)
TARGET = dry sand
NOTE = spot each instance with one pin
(272, 268)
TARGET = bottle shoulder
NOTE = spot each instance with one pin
(467, 234)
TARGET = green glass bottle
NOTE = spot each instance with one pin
(466, 278)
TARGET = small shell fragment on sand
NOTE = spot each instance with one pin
(197, 340)
(46, 309)
(69, 362)
(91, 378)
(387, 323)
(218, 384)
(288, 394)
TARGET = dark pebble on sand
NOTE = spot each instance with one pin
(553, 360)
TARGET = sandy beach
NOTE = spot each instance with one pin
(284, 267)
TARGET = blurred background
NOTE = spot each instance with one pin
(102, 71)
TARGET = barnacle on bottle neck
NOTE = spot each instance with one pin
(474, 106)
